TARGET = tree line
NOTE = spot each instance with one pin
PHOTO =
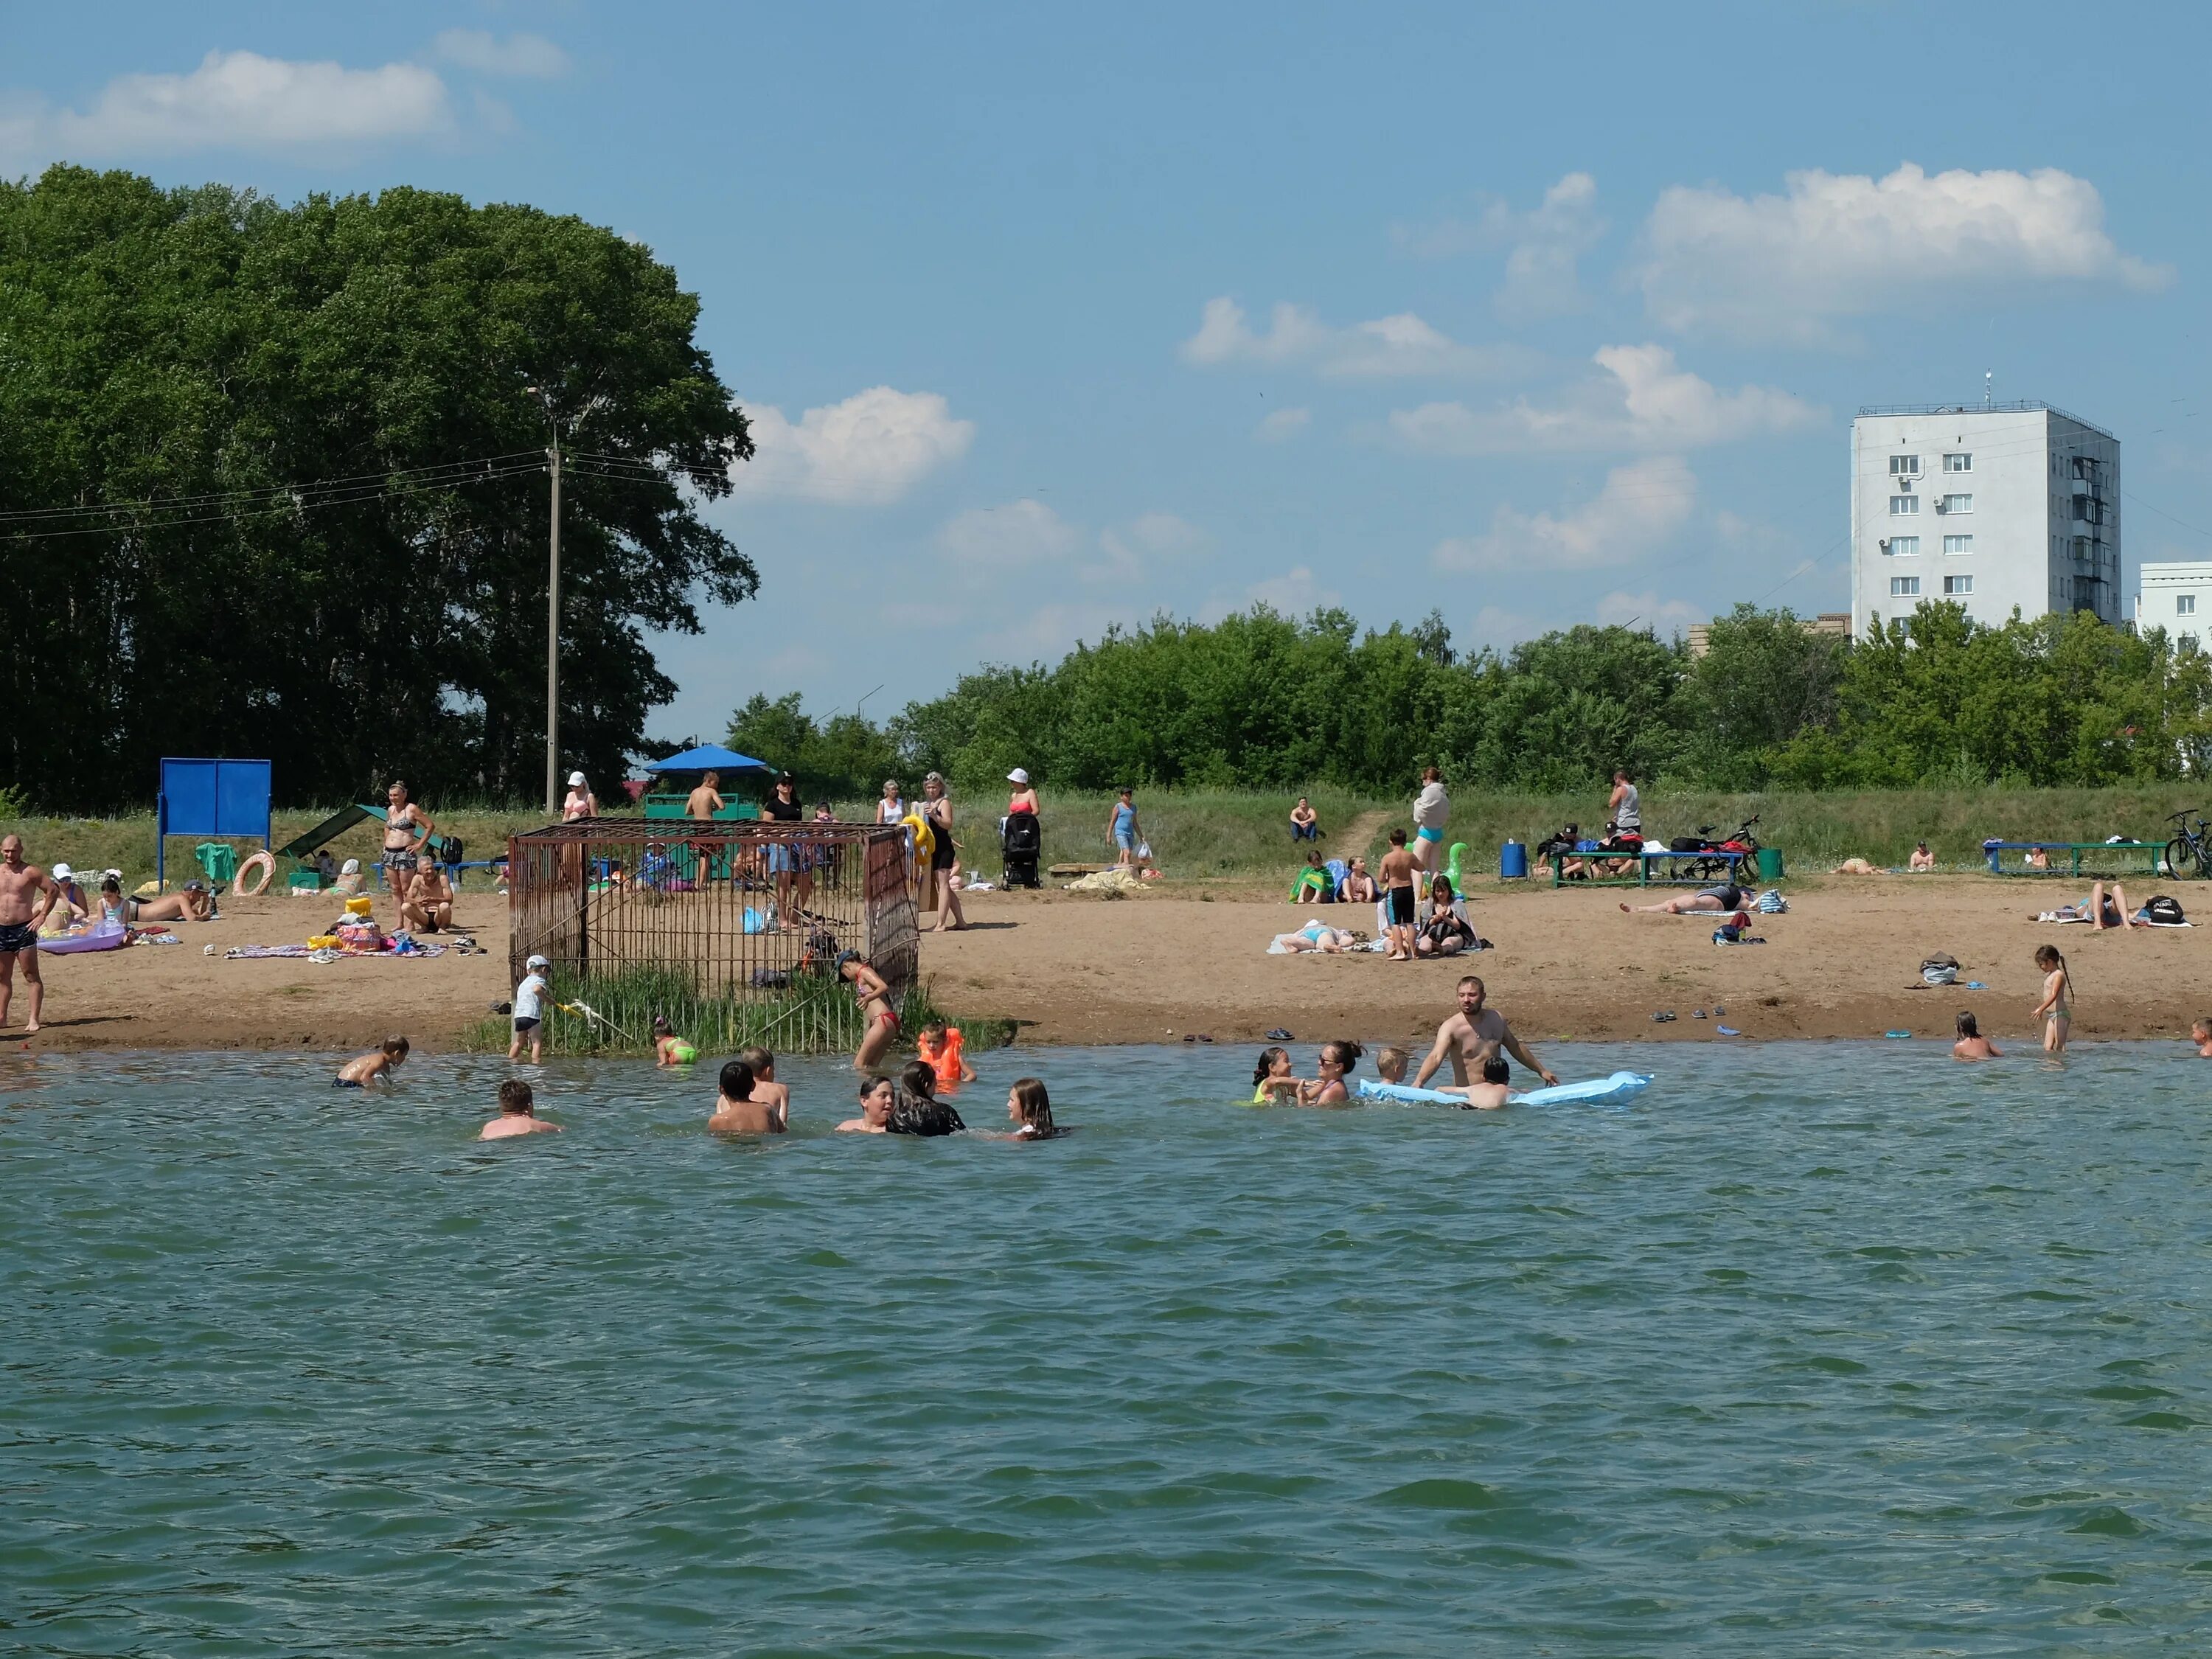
(1261, 700)
(179, 363)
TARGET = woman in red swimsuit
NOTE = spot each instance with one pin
(875, 999)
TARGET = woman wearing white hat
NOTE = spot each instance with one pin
(581, 802)
(1025, 796)
(69, 904)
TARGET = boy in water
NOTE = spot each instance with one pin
(530, 1011)
(1390, 1065)
(379, 1062)
(517, 1113)
(1490, 1094)
(1971, 1045)
(739, 1111)
(2200, 1033)
(776, 1097)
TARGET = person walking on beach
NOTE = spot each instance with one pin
(1431, 811)
(1122, 829)
(1399, 867)
(21, 914)
(2057, 1007)
(1472, 1037)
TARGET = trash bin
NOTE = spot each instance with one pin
(1769, 863)
(1513, 862)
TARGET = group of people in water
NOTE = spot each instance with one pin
(1474, 1041)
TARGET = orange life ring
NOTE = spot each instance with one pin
(237, 887)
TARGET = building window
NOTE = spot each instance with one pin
(1904, 547)
(1904, 587)
(1904, 466)
(1958, 462)
(1958, 544)
(1956, 588)
(2185, 605)
(1903, 507)
(1958, 503)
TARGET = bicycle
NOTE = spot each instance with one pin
(1742, 841)
(2190, 852)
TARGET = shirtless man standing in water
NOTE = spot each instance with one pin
(22, 915)
(1472, 1037)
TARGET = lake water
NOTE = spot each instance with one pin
(1835, 1349)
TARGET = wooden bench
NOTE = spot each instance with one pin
(1995, 849)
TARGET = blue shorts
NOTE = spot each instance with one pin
(779, 858)
(1125, 840)
(1426, 834)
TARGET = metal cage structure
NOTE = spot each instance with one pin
(741, 911)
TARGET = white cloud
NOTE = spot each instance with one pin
(1294, 594)
(1835, 246)
(1283, 424)
(239, 100)
(870, 448)
(530, 55)
(1545, 245)
(1388, 346)
(1643, 402)
(1500, 628)
(1643, 505)
(1009, 537)
(1150, 539)
(1647, 610)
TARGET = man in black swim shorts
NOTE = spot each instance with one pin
(23, 888)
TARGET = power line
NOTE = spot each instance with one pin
(271, 492)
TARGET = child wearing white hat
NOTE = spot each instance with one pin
(530, 1011)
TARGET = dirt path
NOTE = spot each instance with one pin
(1358, 835)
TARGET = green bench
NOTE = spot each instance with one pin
(1995, 849)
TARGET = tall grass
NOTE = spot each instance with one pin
(817, 1015)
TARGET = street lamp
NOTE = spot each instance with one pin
(552, 613)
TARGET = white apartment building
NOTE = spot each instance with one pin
(2176, 596)
(1998, 507)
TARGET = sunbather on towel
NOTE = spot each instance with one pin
(2102, 910)
(1728, 897)
(1316, 936)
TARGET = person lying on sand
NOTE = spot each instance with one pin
(1971, 1045)
(518, 1115)
(2101, 911)
(379, 1062)
(193, 903)
(1315, 936)
(1857, 867)
(1728, 897)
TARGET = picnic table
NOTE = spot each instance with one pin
(1995, 850)
(1669, 876)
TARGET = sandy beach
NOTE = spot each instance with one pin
(1843, 962)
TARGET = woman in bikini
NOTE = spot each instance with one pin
(875, 999)
(2056, 1008)
(406, 833)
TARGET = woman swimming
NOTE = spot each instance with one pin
(877, 1094)
(1337, 1059)
(2056, 1008)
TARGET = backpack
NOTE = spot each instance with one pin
(2164, 907)
(1940, 969)
(1771, 904)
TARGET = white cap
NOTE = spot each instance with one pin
(1018, 776)
(63, 872)
(575, 779)
(351, 867)
(537, 961)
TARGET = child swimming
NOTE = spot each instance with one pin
(1490, 1094)
(738, 1111)
(766, 1089)
(379, 1062)
(671, 1049)
(1390, 1065)
(877, 1094)
(2057, 1004)
(1327, 1089)
(1272, 1084)
(518, 1115)
(915, 1109)
(941, 1048)
(530, 1011)
(2200, 1033)
(1030, 1108)
(1971, 1045)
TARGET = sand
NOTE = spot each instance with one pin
(1845, 963)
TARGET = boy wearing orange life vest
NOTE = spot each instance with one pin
(940, 1051)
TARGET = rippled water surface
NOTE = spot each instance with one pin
(1815, 1350)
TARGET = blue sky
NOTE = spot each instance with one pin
(1049, 319)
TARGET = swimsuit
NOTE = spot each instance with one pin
(347, 1083)
(1402, 907)
(941, 854)
(17, 936)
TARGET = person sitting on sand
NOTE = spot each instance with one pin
(1327, 1089)
(349, 882)
(1315, 883)
(776, 1097)
(1446, 932)
(115, 910)
(1273, 1082)
(1473, 1035)
(1857, 867)
(877, 1094)
(1029, 1108)
(1315, 936)
(1971, 1045)
(736, 1112)
(379, 1062)
(1922, 859)
(1305, 823)
(428, 906)
(518, 1115)
(2035, 859)
(1358, 886)
(2200, 1033)
(70, 907)
(1726, 896)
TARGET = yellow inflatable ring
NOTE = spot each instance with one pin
(925, 839)
(237, 887)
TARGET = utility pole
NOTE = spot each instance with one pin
(553, 640)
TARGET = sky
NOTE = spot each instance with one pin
(1049, 319)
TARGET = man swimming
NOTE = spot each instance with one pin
(22, 915)
(1472, 1037)
(518, 1115)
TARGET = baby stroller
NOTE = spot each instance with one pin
(1020, 841)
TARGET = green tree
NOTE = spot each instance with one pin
(201, 350)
